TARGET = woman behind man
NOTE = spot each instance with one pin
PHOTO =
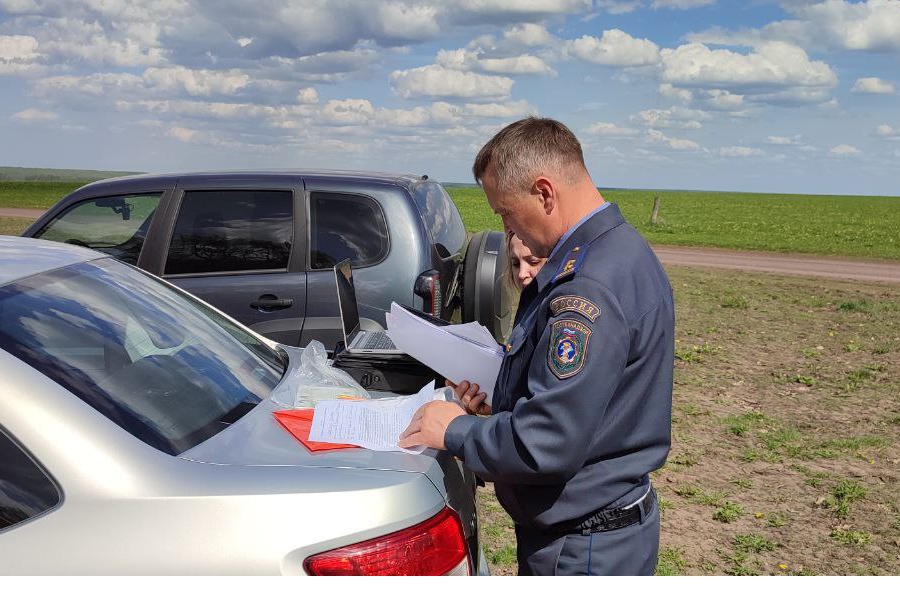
(521, 265)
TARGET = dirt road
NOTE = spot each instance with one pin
(785, 264)
(768, 262)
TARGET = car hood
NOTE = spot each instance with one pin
(257, 439)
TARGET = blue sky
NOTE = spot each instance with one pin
(759, 95)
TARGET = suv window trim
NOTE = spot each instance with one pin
(226, 273)
(309, 227)
(175, 212)
(60, 495)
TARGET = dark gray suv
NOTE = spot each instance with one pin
(261, 245)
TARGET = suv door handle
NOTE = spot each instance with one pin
(270, 302)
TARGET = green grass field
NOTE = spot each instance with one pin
(34, 194)
(831, 225)
(861, 226)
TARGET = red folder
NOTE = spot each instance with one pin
(298, 423)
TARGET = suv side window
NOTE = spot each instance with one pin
(346, 226)
(232, 230)
(25, 490)
(441, 218)
(116, 225)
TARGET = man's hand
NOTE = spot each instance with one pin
(472, 400)
(429, 424)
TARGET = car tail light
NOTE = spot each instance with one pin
(434, 547)
(428, 287)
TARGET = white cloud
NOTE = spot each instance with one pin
(615, 48)
(517, 65)
(529, 34)
(671, 118)
(196, 82)
(523, 8)
(30, 115)
(463, 59)
(722, 100)
(781, 140)
(439, 81)
(886, 131)
(18, 47)
(619, 7)
(873, 25)
(740, 152)
(307, 96)
(773, 64)
(681, 4)
(509, 110)
(873, 85)
(183, 134)
(844, 150)
(18, 55)
(352, 111)
(602, 129)
(657, 137)
(670, 91)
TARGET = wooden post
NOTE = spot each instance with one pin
(654, 216)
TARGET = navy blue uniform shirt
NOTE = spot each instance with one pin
(581, 412)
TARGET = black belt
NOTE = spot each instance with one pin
(609, 519)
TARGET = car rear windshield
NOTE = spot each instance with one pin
(161, 365)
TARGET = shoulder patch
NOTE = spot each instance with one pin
(568, 347)
(575, 304)
(571, 264)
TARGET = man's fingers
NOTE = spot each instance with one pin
(413, 440)
(415, 424)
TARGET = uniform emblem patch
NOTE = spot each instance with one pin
(576, 304)
(568, 347)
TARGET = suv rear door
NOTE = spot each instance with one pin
(372, 223)
(239, 244)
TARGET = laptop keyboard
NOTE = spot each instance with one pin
(374, 340)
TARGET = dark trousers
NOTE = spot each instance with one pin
(630, 550)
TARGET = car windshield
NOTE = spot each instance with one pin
(161, 365)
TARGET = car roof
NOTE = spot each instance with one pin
(198, 177)
(23, 257)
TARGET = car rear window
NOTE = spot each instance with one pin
(161, 365)
(115, 225)
(346, 226)
(25, 489)
(232, 230)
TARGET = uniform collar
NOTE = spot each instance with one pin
(585, 232)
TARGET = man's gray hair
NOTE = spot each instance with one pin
(522, 150)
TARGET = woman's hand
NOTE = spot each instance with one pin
(470, 398)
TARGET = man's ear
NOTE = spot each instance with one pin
(545, 188)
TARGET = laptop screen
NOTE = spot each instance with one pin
(346, 297)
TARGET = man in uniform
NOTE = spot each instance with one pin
(581, 412)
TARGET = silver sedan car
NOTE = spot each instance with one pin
(137, 437)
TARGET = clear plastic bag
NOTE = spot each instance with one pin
(316, 380)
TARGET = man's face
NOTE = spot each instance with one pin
(522, 213)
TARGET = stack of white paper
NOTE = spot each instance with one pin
(457, 352)
(372, 424)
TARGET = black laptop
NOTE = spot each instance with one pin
(356, 340)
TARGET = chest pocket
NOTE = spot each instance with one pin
(512, 381)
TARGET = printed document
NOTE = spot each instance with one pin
(457, 352)
(372, 424)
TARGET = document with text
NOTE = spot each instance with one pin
(458, 352)
(372, 424)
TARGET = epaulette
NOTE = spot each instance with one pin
(572, 263)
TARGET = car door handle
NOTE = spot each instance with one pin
(270, 302)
